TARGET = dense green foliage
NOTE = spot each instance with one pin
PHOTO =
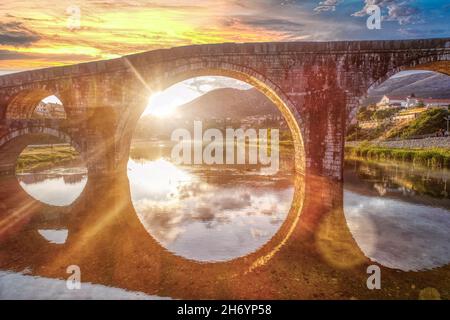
(357, 134)
(426, 123)
(371, 113)
(429, 122)
(364, 114)
(384, 114)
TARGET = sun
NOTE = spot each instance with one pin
(160, 105)
(163, 104)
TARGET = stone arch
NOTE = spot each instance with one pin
(23, 104)
(435, 63)
(38, 130)
(220, 68)
(430, 63)
(14, 142)
(185, 71)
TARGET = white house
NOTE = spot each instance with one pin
(412, 102)
(388, 102)
(436, 103)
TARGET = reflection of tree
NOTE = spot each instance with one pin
(36, 178)
(395, 180)
(73, 178)
(151, 151)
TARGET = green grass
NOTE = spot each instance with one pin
(33, 158)
(436, 158)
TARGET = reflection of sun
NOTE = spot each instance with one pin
(161, 178)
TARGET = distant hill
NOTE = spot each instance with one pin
(423, 85)
(227, 103)
(219, 104)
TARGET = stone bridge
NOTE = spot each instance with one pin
(316, 85)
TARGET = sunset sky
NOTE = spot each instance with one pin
(36, 34)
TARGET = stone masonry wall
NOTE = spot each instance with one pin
(426, 143)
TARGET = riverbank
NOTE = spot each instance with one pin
(43, 157)
(423, 143)
(432, 157)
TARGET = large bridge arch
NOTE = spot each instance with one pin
(195, 68)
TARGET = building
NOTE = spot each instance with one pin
(412, 102)
(436, 103)
(371, 124)
(49, 111)
(408, 114)
(388, 102)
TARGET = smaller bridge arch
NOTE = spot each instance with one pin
(434, 63)
(14, 142)
(429, 63)
(23, 104)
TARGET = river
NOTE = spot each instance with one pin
(398, 214)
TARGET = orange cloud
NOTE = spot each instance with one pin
(110, 29)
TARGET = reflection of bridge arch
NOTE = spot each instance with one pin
(14, 142)
(20, 210)
(113, 248)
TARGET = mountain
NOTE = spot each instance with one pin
(227, 103)
(217, 104)
(423, 85)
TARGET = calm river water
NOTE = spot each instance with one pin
(398, 215)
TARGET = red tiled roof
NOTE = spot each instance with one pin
(431, 100)
(395, 97)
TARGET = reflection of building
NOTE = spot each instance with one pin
(49, 110)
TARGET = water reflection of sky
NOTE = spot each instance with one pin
(54, 236)
(201, 220)
(53, 189)
(403, 230)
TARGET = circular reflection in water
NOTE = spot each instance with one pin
(57, 183)
(209, 215)
(399, 214)
(54, 187)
